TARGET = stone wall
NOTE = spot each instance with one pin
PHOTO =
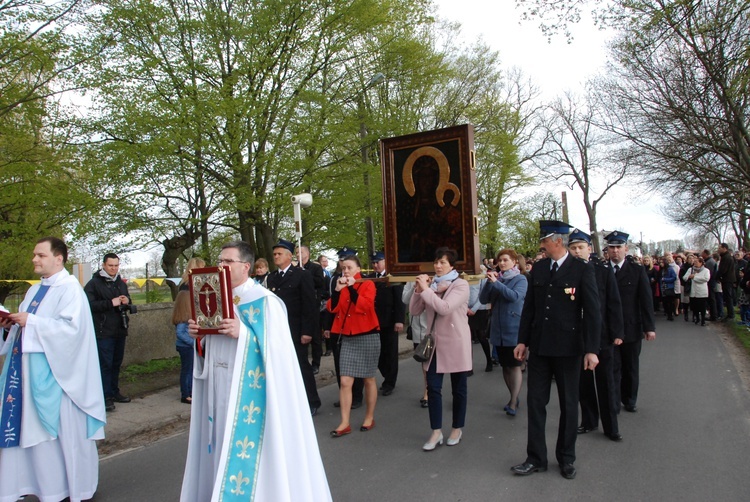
(151, 334)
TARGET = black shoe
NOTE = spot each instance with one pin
(583, 430)
(119, 398)
(495, 362)
(387, 391)
(109, 405)
(328, 353)
(614, 436)
(313, 410)
(316, 370)
(488, 368)
(568, 471)
(356, 404)
(527, 468)
(631, 408)
(337, 404)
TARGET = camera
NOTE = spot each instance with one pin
(124, 311)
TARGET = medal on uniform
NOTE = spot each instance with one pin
(236, 300)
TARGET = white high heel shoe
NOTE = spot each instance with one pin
(454, 442)
(431, 446)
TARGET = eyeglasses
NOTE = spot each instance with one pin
(221, 261)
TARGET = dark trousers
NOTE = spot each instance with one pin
(711, 302)
(699, 309)
(317, 341)
(459, 387)
(186, 371)
(111, 353)
(597, 396)
(626, 372)
(307, 374)
(479, 324)
(719, 299)
(359, 384)
(728, 297)
(388, 361)
(567, 373)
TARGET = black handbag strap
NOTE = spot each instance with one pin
(433, 324)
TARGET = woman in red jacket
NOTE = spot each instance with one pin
(355, 320)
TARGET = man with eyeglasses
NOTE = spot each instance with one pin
(249, 413)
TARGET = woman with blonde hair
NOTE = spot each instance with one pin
(192, 263)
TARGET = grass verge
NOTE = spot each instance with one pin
(138, 380)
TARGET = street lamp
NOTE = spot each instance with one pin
(300, 201)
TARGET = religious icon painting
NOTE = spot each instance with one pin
(430, 199)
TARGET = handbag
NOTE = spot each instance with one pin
(426, 347)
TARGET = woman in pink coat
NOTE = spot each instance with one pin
(447, 297)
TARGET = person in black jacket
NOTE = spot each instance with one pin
(725, 275)
(637, 316)
(319, 282)
(296, 289)
(560, 324)
(391, 312)
(597, 389)
(110, 305)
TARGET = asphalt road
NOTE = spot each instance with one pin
(689, 440)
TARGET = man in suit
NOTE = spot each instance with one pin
(296, 289)
(560, 325)
(390, 310)
(637, 316)
(319, 282)
(725, 276)
(597, 387)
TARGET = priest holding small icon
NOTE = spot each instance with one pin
(251, 434)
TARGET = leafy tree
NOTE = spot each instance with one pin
(241, 100)
(40, 175)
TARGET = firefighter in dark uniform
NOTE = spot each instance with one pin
(597, 388)
(637, 317)
(560, 325)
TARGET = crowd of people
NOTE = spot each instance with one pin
(565, 314)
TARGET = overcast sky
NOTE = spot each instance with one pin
(554, 68)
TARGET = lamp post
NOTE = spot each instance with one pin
(300, 201)
(369, 228)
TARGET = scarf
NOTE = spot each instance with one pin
(440, 284)
(510, 274)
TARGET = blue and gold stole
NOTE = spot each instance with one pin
(243, 456)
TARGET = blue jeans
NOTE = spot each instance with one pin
(111, 352)
(435, 398)
(186, 371)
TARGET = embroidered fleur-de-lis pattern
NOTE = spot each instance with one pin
(256, 377)
(251, 411)
(245, 445)
(241, 470)
(238, 480)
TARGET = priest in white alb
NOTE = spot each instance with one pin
(52, 406)
(251, 433)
